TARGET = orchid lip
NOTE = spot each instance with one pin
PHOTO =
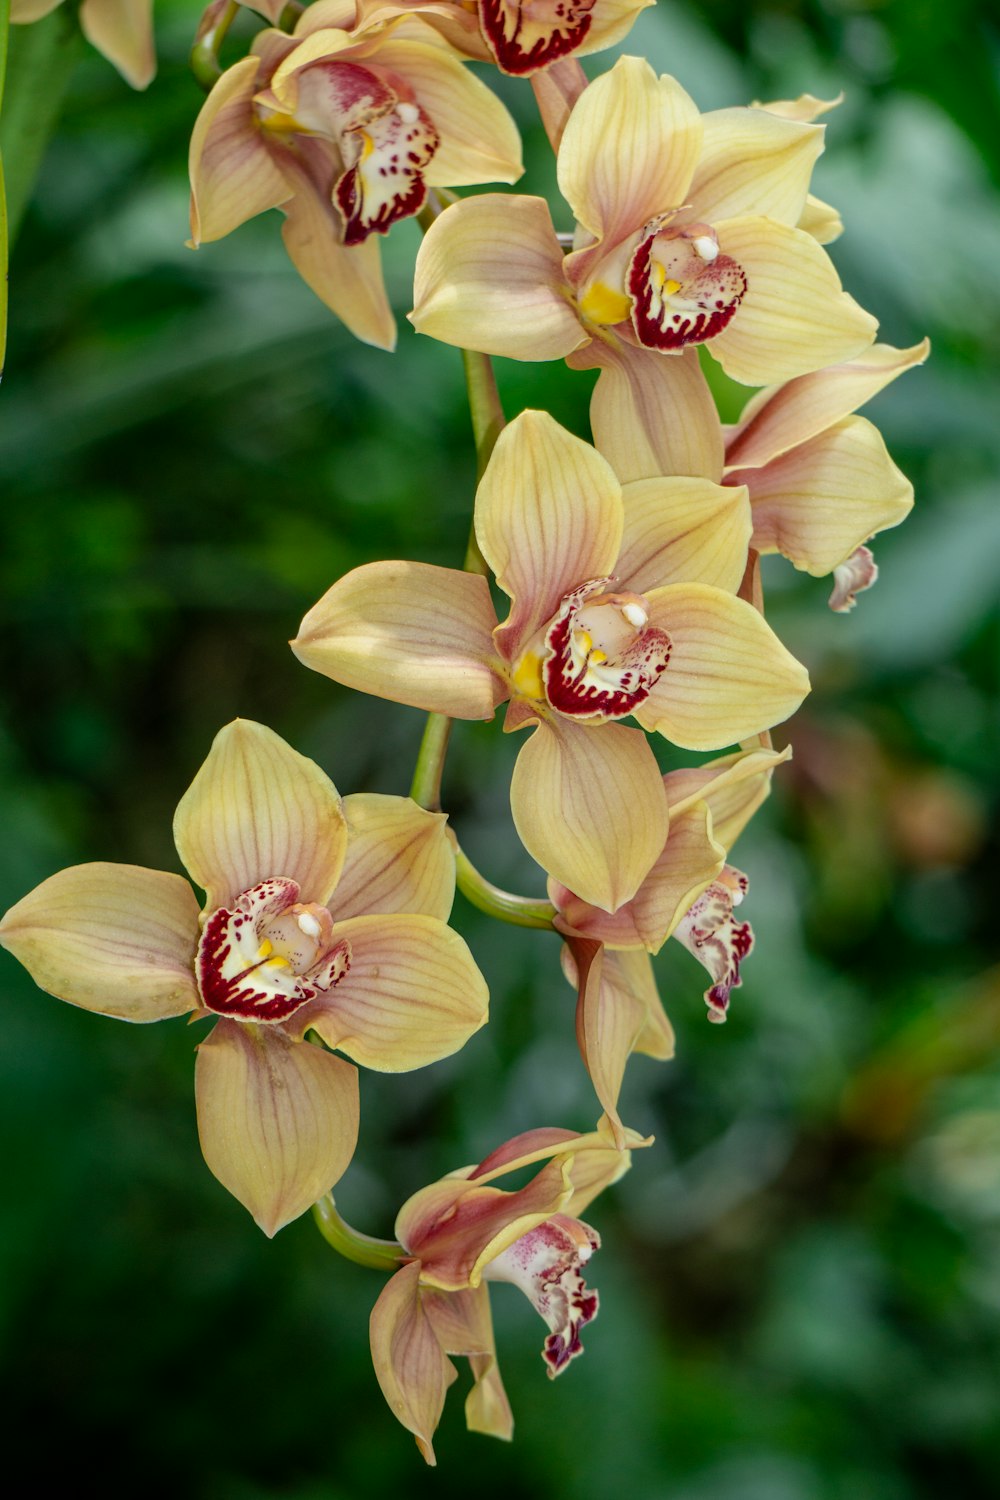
(684, 289)
(526, 35)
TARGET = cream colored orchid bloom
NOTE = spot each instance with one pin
(344, 126)
(463, 1232)
(820, 479)
(321, 917)
(121, 30)
(622, 603)
(689, 894)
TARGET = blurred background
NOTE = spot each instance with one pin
(801, 1281)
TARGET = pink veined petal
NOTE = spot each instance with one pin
(409, 632)
(753, 162)
(629, 150)
(589, 806)
(234, 174)
(463, 1324)
(609, 1021)
(399, 859)
(413, 994)
(634, 970)
(782, 417)
(683, 531)
(115, 939)
(278, 1120)
(411, 1368)
(651, 413)
(556, 90)
(489, 276)
(548, 518)
(531, 1145)
(729, 676)
(123, 31)
(734, 786)
(258, 809)
(795, 316)
(817, 503)
(586, 1156)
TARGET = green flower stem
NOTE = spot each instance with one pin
(204, 58)
(425, 789)
(488, 421)
(4, 34)
(520, 911)
(42, 58)
(379, 1255)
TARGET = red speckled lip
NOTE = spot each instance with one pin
(709, 294)
(386, 181)
(625, 680)
(531, 35)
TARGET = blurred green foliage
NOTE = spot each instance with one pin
(801, 1280)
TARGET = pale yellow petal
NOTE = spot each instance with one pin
(806, 107)
(753, 162)
(683, 531)
(463, 1325)
(23, 12)
(233, 173)
(821, 220)
(728, 678)
(548, 517)
(256, 809)
(611, 22)
(277, 1120)
(629, 150)
(348, 278)
(115, 939)
(656, 1039)
(589, 806)
(412, 995)
(783, 416)
(795, 316)
(123, 31)
(489, 276)
(410, 1366)
(733, 787)
(399, 858)
(410, 632)
(652, 413)
(820, 501)
(609, 1021)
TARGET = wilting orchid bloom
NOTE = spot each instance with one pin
(687, 234)
(463, 1232)
(820, 479)
(321, 917)
(522, 36)
(622, 602)
(689, 894)
(121, 30)
(344, 126)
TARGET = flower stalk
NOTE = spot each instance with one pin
(519, 911)
(363, 1249)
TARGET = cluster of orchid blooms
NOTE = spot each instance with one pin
(631, 567)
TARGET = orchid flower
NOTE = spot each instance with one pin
(320, 916)
(121, 30)
(622, 603)
(820, 480)
(523, 36)
(689, 894)
(462, 1232)
(687, 233)
(344, 125)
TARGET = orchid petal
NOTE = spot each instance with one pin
(734, 786)
(588, 804)
(410, 632)
(399, 859)
(548, 518)
(277, 1120)
(609, 1020)
(115, 939)
(463, 1324)
(234, 175)
(257, 809)
(652, 413)
(634, 969)
(795, 316)
(729, 676)
(599, 1161)
(412, 994)
(753, 162)
(489, 276)
(823, 499)
(821, 220)
(629, 150)
(122, 30)
(782, 417)
(683, 531)
(410, 1365)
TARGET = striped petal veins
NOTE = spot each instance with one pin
(268, 954)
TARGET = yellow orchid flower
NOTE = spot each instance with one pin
(622, 603)
(320, 916)
(344, 126)
(689, 894)
(121, 30)
(821, 482)
(463, 1232)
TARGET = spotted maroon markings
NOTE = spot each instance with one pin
(531, 35)
(635, 670)
(385, 183)
(710, 293)
(558, 1349)
(710, 932)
